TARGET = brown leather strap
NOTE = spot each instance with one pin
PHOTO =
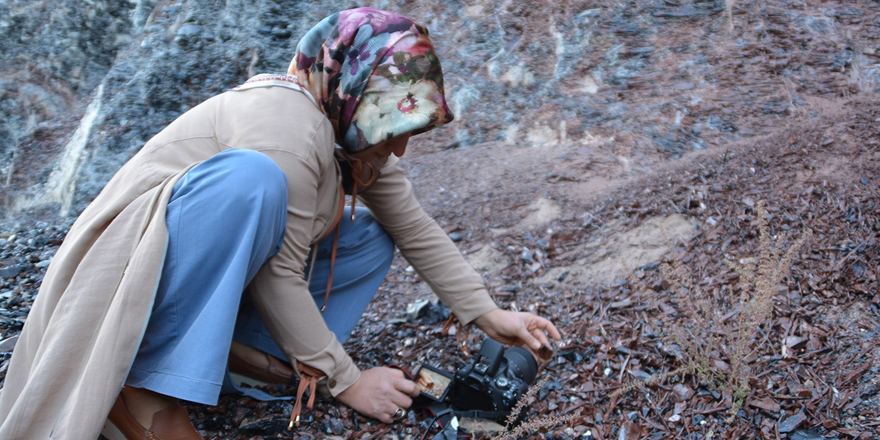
(335, 228)
(308, 378)
(357, 166)
(337, 217)
(461, 335)
(332, 265)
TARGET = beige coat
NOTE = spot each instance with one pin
(88, 320)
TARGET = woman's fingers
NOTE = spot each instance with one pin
(550, 328)
(542, 325)
(529, 339)
(541, 337)
(409, 388)
(532, 330)
(404, 385)
(379, 393)
(507, 327)
(400, 401)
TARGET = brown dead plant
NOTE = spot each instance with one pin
(513, 431)
(720, 325)
(758, 281)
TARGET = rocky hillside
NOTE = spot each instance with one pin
(85, 83)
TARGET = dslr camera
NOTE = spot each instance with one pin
(488, 386)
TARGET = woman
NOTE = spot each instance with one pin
(233, 196)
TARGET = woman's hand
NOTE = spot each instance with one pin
(379, 393)
(518, 328)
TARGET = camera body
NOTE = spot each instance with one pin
(492, 382)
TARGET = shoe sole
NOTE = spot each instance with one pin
(111, 432)
(240, 379)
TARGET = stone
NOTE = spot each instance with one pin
(480, 427)
(8, 344)
(189, 30)
(791, 423)
(11, 271)
(806, 435)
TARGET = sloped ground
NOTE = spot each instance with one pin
(819, 175)
(815, 361)
(813, 372)
(572, 220)
(812, 369)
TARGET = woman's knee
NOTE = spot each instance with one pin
(232, 187)
(254, 172)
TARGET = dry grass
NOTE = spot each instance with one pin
(758, 280)
(522, 430)
(713, 327)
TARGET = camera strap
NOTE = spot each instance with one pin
(478, 414)
(446, 419)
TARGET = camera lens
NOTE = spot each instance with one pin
(522, 364)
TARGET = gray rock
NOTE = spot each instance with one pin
(792, 423)
(8, 344)
(11, 271)
(504, 76)
(806, 435)
(481, 427)
(189, 30)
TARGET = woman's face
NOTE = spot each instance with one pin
(384, 149)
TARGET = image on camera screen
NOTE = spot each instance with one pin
(432, 383)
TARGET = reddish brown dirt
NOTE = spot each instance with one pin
(535, 213)
(814, 361)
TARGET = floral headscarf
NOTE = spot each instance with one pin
(375, 75)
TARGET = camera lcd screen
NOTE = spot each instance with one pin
(433, 383)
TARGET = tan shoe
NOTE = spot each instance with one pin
(274, 371)
(171, 423)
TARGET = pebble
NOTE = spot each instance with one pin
(189, 30)
(791, 423)
(806, 435)
(332, 426)
(8, 344)
(11, 271)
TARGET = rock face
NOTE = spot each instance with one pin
(85, 83)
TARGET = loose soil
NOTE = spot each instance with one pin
(577, 229)
(590, 261)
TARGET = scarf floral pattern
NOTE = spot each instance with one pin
(374, 74)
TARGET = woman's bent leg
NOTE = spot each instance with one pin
(226, 218)
(363, 257)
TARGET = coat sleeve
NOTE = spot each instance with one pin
(424, 244)
(280, 291)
